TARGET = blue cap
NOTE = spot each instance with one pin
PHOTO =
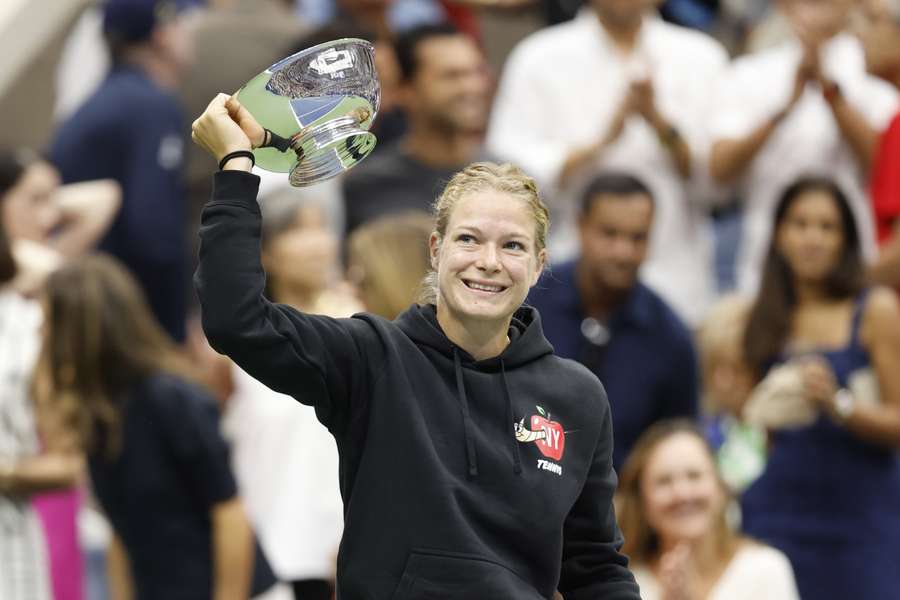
(135, 20)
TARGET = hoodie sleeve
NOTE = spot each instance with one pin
(320, 361)
(592, 566)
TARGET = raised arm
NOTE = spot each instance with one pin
(318, 360)
(87, 210)
(592, 566)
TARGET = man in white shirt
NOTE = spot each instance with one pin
(804, 107)
(619, 88)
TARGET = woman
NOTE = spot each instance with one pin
(39, 223)
(25, 572)
(45, 221)
(672, 505)
(158, 464)
(474, 463)
(828, 497)
(299, 519)
(388, 258)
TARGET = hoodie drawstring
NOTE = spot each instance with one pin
(510, 422)
(472, 463)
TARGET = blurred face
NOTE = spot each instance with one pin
(487, 260)
(681, 493)
(879, 33)
(176, 40)
(450, 87)
(303, 257)
(614, 237)
(29, 208)
(729, 381)
(815, 21)
(623, 13)
(810, 238)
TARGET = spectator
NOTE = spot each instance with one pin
(445, 95)
(24, 469)
(299, 519)
(805, 106)
(595, 310)
(727, 384)
(158, 464)
(881, 41)
(300, 255)
(673, 505)
(132, 130)
(835, 481)
(44, 221)
(388, 258)
(618, 88)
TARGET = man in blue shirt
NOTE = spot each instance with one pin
(595, 310)
(132, 130)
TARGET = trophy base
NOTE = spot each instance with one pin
(329, 149)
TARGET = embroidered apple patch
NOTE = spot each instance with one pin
(553, 443)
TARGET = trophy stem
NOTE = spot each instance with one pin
(330, 148)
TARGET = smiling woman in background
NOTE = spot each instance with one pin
(672, 507)
(828, 497)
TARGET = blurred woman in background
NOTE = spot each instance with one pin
(157, 461)
(672, 506)
(46, 221)
(388, 258)
(299, 519)
(828, 497)
(41, 222)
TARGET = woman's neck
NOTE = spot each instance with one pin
(481, 340)
(302, 298)
(809, 292)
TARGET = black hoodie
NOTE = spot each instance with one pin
(461, 479)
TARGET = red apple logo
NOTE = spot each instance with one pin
(553, 443)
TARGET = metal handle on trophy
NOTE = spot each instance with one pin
(323, 101)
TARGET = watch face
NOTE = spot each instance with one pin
(843, 403)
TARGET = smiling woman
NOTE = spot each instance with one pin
(474, 462)
(673, 506)
(487, 250)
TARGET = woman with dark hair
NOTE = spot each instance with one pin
(829, 495)
(29, 463)
(673, 506)
(158, 463)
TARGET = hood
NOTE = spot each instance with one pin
(527, 341)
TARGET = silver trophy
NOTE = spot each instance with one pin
(318, 106)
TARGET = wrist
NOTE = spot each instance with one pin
(831, 91)
(239, 160)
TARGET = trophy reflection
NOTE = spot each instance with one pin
(319, 105)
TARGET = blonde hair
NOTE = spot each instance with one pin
(641, 542)
(391, 256)
(721, 337)
(477, 177)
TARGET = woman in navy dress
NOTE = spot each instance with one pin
(830, 495)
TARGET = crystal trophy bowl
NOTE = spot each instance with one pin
(319, 105)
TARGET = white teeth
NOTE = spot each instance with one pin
(484, 288)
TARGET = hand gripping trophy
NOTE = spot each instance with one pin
(317, 107)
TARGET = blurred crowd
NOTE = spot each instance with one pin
(724, 182)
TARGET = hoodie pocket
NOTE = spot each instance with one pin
(442, 575)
